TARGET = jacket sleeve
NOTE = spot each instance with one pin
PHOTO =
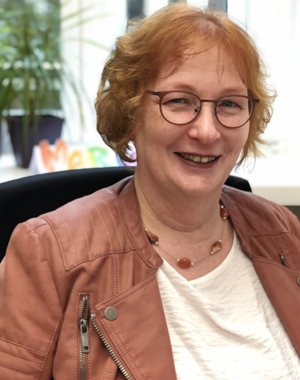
(30, 312)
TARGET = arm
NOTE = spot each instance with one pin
(30, 309)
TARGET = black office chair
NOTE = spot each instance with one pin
(32, 196)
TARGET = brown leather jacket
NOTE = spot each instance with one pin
(79, 297)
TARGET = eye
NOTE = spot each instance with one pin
(228, 103)
(178, 100)
(233, 106)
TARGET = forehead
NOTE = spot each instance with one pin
(212, 70)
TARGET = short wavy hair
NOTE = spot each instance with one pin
(166, 37)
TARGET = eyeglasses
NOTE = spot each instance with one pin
(180, 107)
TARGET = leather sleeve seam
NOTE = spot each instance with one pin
(25, 347)
(50, 343)
(22, 373)
(16, 357)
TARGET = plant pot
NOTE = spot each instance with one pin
(49, 128)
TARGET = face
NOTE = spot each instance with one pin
(168, 154)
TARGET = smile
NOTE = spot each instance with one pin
(203, 160)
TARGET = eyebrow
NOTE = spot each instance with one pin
(182, 87)
(233, 90)
(227, 90)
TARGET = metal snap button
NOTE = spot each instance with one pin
(110, 313)
(298, 281)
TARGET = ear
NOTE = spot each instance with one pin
(133, 153)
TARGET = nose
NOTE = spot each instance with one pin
(205, 127)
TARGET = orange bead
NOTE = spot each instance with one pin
(184, 263)
(216, 247)
(152, 238)
(223, 212)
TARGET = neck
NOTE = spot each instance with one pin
(165, 211)
(187, 227)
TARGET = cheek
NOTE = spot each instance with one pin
(242, 136)
(140, 125)
(145, 136)
(236, 141)
(246, 132)
(150, 127)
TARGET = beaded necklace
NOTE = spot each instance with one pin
(184, 262)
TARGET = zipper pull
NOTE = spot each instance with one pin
(84, 334)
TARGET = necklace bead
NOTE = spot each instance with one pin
(184, 263)
(216, 247)
(223, 212)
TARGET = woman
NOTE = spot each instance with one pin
(169, 274)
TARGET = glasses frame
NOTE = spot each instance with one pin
(161, 95)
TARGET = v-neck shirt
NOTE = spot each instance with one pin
(223, 326)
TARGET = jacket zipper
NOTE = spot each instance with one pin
(84, 335)
(109, 348)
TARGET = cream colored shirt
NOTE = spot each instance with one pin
(222, 326)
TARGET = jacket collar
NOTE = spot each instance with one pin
(130, 211)
(243, 208)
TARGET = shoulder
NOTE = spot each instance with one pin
(86, 228)
(261, 215)
(264, 228)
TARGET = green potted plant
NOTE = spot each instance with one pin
(32, 72)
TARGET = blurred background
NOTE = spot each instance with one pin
(51, 58)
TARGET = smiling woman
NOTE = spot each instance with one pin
(168, 274)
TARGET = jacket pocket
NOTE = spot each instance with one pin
(84, 343)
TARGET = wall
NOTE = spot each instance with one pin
(275, 27)
(106, 19)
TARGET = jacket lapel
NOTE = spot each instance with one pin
(280, 284)
(139, 335)
(267, 232)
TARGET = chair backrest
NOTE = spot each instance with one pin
(32, 196)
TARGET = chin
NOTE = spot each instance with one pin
(199, 189)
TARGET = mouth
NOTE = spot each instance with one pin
(203, 160)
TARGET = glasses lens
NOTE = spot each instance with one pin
(234, 111)
(180, 107)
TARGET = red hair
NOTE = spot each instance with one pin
(166, 37)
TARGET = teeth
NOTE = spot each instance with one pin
(198, 158)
